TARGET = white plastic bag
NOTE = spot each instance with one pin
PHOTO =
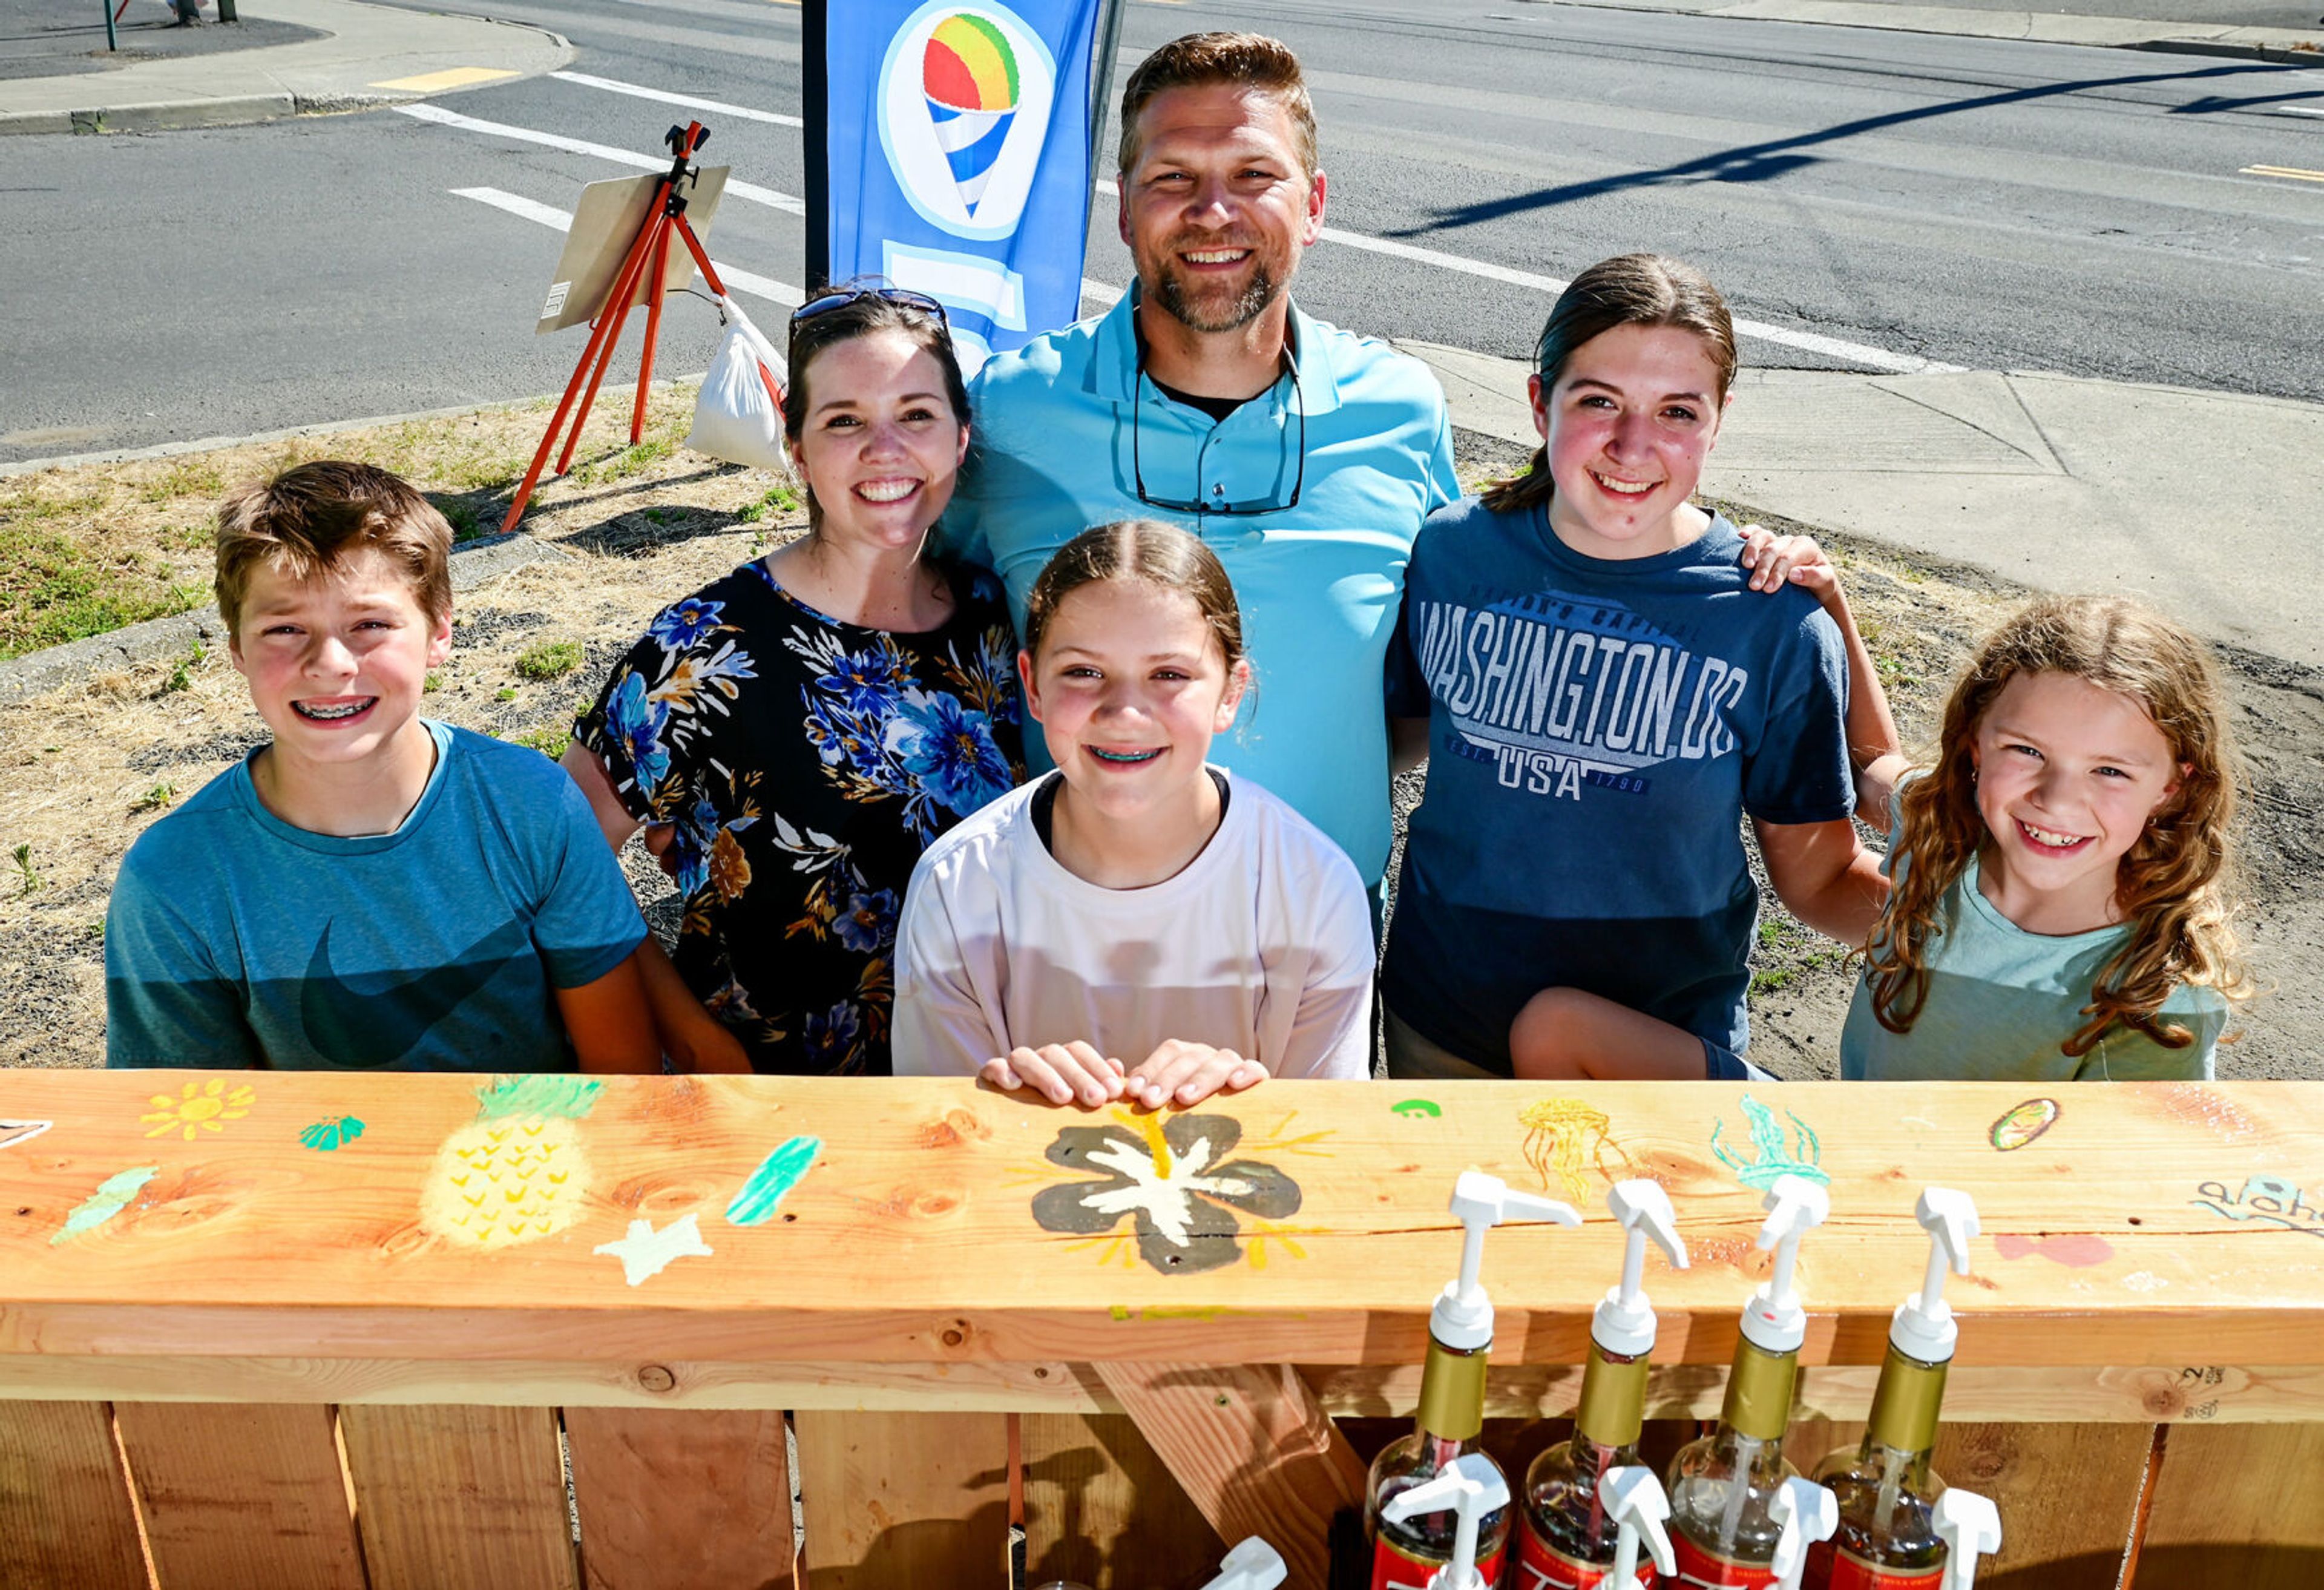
(737, 417)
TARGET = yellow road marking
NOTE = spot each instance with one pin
(459, 76)
(2294, 172)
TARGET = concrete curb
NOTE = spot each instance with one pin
(477, 563)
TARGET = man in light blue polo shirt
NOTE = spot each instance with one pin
(1305, 456)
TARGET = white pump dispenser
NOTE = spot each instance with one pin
(1624, 1323)
(1969, 1525)
(1470, 1487)
(1462, 1317)
(1635, 1502)
(1774, 1321)
(1924, 1327)
(1253, 1565)
(1807, 1514)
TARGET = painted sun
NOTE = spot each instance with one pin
(199, 1107)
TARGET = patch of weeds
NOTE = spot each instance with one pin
(549, 741)
(780, 499)
(188, 478)
(432, 683)
(186, 538)
(27, 878)
(549, 660)
(505, 693)
(52, 591)
(156, 799)
(629, 461)
(462, 518)
(182, 676)
(1772, 980)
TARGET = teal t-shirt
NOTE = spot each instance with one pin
(2002, 1000)
(234, 939)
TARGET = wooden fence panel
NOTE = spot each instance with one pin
(898, 1499)
(681, 1499)
(2068, 1492)
(2236, 1505)
(247, 1494)
(66, 1519)
(1101, 1509)
(460, 1498)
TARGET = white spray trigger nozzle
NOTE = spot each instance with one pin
(1624, 1323)
(1635, 1502)
(1469, 1487)
(1253, 1565)
(1774, 1320)
(1463, 1315)
(1807, 1513)
(1969, 1525)
(1923, 1326)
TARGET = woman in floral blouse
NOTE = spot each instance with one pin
(796, 734)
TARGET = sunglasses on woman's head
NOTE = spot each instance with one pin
(816, 306)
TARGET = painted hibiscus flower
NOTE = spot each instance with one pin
(1171, 1174)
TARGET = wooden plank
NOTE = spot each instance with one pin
(972, 1387)
(1101, 1509)
(898, 1499)
(2236, 1507)
(2067, 1493)
(1253, 1450)
(66, 1519)
(2157, 1222)
(247, 1496)
(2144, 1395)
(674, 1498)
(460, 1498)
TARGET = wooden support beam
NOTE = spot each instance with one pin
(1253, 1448)
(245, 1495)
(66, 1519)
(1102, 1510)
(460, 1498)
(898, 1499)
(676, 1499)
(2236, 1508)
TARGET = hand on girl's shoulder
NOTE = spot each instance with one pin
(1778, 560)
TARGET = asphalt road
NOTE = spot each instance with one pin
(1978, 202)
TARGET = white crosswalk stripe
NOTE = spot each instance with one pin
(452, 118)
(663, 96)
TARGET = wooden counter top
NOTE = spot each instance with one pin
(242, 1214)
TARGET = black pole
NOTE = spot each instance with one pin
(1109, 43)
(814, 110)
(111, 42)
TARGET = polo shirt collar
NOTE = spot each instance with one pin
(1113, 356)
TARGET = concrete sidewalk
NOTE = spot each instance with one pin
(2195, 501)
(371, 55)
(2296, 46)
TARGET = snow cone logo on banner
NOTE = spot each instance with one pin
(965, 100)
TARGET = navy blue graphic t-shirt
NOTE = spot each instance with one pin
(237, 940)
(1596, 731)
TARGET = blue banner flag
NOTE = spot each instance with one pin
(956, 156)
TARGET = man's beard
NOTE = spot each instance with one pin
(1208, 313)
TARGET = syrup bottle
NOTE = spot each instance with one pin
(1471, 1488)
(1888, 1495)
(1723, 1487)
(1568, 1543)
(1408, 1548)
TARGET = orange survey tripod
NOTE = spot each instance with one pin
(649, 251)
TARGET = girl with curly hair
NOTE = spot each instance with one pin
(2063, 874)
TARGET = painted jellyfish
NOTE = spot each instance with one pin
(970, 76)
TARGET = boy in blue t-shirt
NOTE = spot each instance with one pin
(371, 891)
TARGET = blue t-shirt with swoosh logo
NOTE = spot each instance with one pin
(234, 939)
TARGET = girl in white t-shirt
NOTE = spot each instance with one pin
(1138, 925)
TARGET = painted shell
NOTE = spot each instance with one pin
(2022, 1124)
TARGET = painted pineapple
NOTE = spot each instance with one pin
(516, 1173)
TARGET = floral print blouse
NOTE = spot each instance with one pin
(805, 764)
